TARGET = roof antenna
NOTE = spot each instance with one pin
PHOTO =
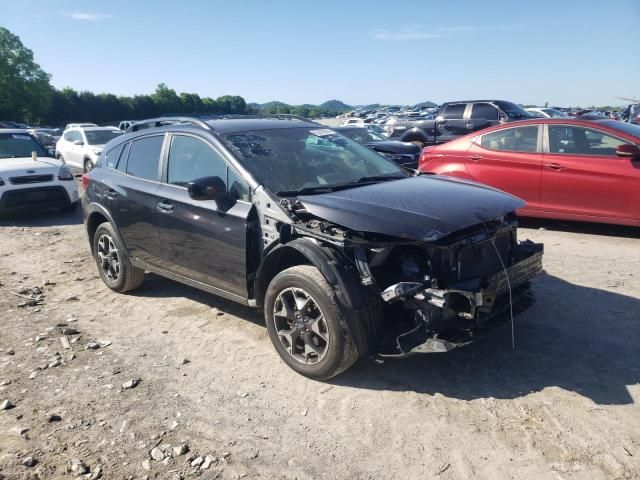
(506, 274)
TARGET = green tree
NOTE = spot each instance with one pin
(25, 91)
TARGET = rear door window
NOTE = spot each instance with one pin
(144, 157)
(455, 111)
(485, 111)
(521, 139)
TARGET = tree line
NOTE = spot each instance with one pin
(27, 96)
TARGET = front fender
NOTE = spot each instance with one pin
(359, 307)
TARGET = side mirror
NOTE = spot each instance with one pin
(207, 188)
(78, 142)
(629, 151)
(51, 152)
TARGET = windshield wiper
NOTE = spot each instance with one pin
(339, 186)
(376, 178)
(306, 191)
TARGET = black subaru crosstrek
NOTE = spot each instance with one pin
(347, 254)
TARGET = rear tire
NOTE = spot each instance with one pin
(88, 165)
(305, 324)
(113, 264)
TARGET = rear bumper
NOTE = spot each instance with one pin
(52, 196)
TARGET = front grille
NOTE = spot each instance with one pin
(41, 196)
(26, 179)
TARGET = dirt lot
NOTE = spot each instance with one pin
(563, 405)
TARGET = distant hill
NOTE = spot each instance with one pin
(335, 106)
(426, 104)
(329, 108)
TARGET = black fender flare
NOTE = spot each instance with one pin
(415, 133)
(96, 208)
(360, 308)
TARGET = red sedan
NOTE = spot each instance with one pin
(563, 168)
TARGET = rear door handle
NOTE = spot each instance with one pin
(475, 158)
(165, 206)
(555, 166)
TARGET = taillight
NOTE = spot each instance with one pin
(424, 156)
(86, 179)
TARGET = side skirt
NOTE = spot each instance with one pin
(192, 283)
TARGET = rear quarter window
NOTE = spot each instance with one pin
(110, 159)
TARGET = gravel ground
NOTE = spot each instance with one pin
(170, 382)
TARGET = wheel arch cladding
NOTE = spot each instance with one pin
(360, 309)
(98, 215)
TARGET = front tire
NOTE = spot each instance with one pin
(114, 266)
(305, 324)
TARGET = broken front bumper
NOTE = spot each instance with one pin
(469, 309)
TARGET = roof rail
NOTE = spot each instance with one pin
(280, 116)
(162, 121)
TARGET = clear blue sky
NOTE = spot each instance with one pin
(566, 52)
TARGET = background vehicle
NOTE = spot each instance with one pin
(546, 112)
(346, 253)
(26, 182)
(125, 124)
(455, 119)
(80, 147)
(352, 122)
(78, 125)
(402, 153)
(563, 168)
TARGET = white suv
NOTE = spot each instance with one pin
(29, 177)
(81, 146)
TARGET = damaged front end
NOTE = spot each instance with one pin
(436, 295)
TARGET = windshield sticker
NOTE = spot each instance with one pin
(323, 132)
(21, 137)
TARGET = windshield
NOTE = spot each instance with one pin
(552, 112)
(514, 111)
(100, 137)
(14, 145)
(628, 128)
(287, 160)
(362, 135)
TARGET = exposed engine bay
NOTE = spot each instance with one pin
(435, 295)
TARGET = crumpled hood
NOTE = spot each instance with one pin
(392, 146)
(426, 208)
(20, 166)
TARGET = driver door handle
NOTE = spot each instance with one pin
(165, 206)
(475, 158)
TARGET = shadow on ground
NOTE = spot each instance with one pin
(155, 286)
(580, 227)
(575, 338)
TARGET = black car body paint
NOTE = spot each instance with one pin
(417, 264)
